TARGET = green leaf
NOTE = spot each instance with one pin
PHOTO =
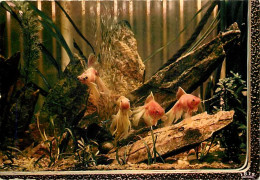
(10, 10)
(48, 24)
(43, 77)
(75, 27)
(218, 90)
(206, 34)
(51, 58)
(243, 127)
(241, 110)
(117, 157)
(148, 151)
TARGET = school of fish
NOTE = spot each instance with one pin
(151, 112)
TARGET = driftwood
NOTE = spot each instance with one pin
(188, 71)
(170, 139)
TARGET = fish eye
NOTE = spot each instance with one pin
(193, 100)
(85, 78)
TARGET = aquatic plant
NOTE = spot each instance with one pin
(66, 99)
(123, 160)
(30, 27)
(52, 143)
(75, 27)
(87, 153)
(231, 94)
(152, 158)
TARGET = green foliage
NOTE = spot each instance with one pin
(230, 95)
(30, 28)
(75, 27)
(149, 155)
(87, 152)
(52, 143)
(152, 158)
(52, 29)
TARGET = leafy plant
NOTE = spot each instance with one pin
(230, 95)
(52, 143)
(152, 158)
(30, 28)
(87, 152)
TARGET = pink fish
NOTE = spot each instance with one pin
(186, 104)
(90, 77)
(151, 112)
(121, 126)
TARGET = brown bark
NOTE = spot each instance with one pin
(170, 139)
(188, 71)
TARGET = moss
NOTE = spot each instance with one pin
(192, 135)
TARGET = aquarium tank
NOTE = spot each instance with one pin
(116, 85)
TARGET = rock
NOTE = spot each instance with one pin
(121, 65)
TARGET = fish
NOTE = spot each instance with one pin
(121, 125)
(151, 112)
(91, 78)
(186, 104)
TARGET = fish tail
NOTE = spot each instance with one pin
(170, 116)
(138, 113)
(177, 111)
(126, 126)
(113, 126)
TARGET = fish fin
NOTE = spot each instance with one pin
(102, 86)
(155, 123)
(180, 92)
(187, 115)
(130, 113)
(113, 124)
(195, 109)
(126, 127)
(138, 113)
(178, 115)
(95, 93)
(170, 116)
(164, 118)
(91, 60)
(177, 111)
(148, 119)
(149, 98)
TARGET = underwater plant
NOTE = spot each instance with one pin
(152, 158)
(118, 71)
(87, 152)
(30, 28)
(230, 94)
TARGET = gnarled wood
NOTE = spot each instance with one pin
(188, 71)
(188, 132)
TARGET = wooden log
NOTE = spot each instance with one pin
(188, 132)
(188, 71)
